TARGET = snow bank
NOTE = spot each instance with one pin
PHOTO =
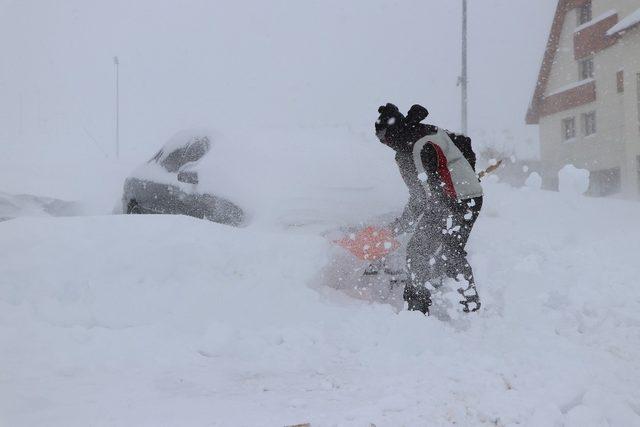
(534, 180)
(16, 205)
(573, 180)
(148, 320)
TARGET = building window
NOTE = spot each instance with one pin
(620, 81)
(584, 13)
(568, 129)
(589, 123)
(586, 68)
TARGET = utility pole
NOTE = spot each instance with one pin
(464, 77)
(116, 63)
(21, 121)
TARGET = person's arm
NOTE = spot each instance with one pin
(410, 214)
(416, 204)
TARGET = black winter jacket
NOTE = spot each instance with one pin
(440, 204)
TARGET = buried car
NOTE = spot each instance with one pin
(305, 179)
(168, 184)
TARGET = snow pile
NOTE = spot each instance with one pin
(534, 181)
(573, 180)
(16, 205)
(154, 320)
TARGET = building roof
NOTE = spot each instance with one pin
(564, 6)
(533, 113)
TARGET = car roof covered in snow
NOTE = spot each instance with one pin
(293, 177)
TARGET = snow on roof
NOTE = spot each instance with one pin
(184, 137)
(570, 86)
(596, 20)
(626, 23)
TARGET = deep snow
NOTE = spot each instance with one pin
(158, 320)
(154, 320)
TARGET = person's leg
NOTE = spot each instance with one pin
(457, 265)
(422, 251)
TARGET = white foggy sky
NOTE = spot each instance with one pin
(220, 63)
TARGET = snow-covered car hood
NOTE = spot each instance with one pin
(294, 178)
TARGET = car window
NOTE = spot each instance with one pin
(193, 151)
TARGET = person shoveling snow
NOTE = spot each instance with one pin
(445, 200)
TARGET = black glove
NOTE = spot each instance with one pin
(416, 114)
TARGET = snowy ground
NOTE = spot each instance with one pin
(154, 320)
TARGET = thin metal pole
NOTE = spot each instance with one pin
(464, 77)
(21, 122)
(116, 63)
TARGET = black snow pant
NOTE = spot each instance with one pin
(437, 250)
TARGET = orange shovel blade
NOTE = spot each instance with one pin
(370, 243)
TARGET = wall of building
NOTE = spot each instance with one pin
(630, 44)
(616, 143)
(565, 68)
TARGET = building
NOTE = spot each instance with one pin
(587, 98)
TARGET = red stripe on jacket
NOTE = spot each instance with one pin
(444, 173)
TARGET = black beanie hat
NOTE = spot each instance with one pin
(390, 118)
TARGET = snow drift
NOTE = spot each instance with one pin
(324, 178)
(147, 320)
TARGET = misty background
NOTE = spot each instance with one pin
(256, 63)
